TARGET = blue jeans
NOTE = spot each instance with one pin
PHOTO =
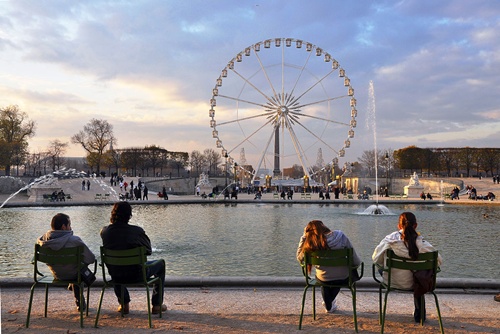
(157, 270)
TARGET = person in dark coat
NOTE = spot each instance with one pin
(120, 235)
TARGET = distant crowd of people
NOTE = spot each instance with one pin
(472, 194)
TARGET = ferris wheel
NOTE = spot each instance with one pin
(284, 102)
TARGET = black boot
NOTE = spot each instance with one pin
(77, 302)
(419, 313)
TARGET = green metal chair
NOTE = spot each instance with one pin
(128, 257)
(330, 258)
(73, 255)
(425, 261)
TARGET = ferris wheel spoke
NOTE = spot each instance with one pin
(263, 68)
(263, 153)
(298, 148)
(243, 101)
(253, 86)
(302, 69)
(317, 83)
(319, 102)
(316, 136)
(247, 138)
(318, 118)
(243, 119)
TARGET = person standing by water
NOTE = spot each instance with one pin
(61, 236)
(405, 242)
(319, 237)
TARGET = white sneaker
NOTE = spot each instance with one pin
(333, 309)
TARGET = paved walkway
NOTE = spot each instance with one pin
(101, 186)
(249, 310)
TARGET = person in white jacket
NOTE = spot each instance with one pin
(318, 237)
(408, 243)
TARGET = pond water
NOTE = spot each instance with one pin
(260, 239)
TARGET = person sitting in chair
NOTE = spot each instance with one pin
(319, 237)
(283, 194)
(234, 194)
(321, 196)
(119, 235)
(406, 242)
(61, 236)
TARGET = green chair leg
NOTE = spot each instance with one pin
(88, 301)
(149, 307)
(81, 305)
(302, 308)
(383, 313)
(380, 305)
(29, 306)
(46, 299)
(353, 293)
(314, 302)
(99, 307)
(441, 328)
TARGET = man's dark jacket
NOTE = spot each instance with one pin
(120, 236)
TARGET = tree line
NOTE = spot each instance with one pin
(99, 142)
(441, 161)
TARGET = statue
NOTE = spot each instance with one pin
(414, 180)
(414, 188)
(204, 180)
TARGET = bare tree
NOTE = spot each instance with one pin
(94, 138)
(154, 157)
(15, 130)
(197, 161)
(56, 151)
(212, 158)
(179, 160)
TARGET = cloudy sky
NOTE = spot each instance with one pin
(149, 67)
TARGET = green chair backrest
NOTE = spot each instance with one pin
(425, 261)
(126, 257)
(71, 255)
(330, 258)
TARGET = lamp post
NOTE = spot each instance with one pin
(306, 183)
(225, 168)
(388, 166)
(235, 175)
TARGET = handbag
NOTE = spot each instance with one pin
(423, 282)
(87, 276)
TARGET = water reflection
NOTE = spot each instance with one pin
(259, 239)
